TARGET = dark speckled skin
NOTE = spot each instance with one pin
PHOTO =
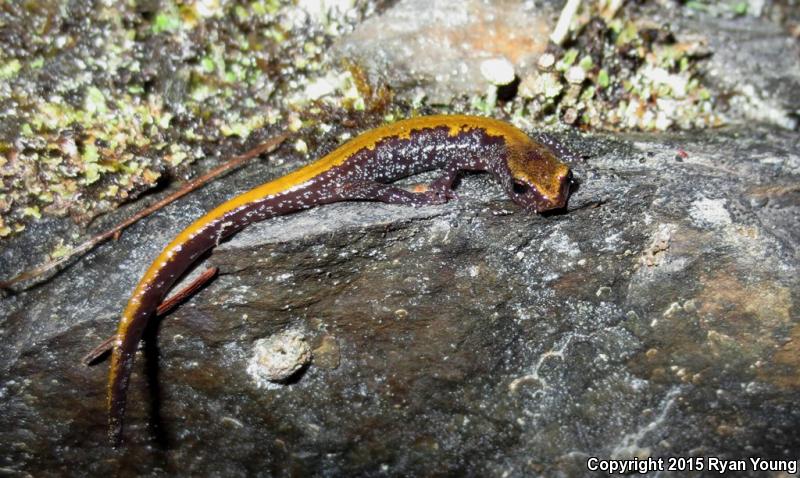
(359, 170)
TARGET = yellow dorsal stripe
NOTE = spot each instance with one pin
(367, 140)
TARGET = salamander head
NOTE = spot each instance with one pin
(538, 181)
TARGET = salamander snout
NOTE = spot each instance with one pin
(543, 195)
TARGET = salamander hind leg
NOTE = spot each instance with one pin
(375, 191)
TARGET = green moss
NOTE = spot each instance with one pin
(587, 94)
(61, 250)
(567, 60)
(208, 64)
(91, 173)
(551, 86)
(166, 22)
(90, 153)
(660, 89)
(32, 211)
(696, 5)
(627, 34)
(95, 101)
(602, 79)
(10, 69)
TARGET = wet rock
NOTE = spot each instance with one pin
(438, 54)
(761, 72)
(655, 318)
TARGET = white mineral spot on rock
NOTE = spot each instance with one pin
(208, 8)
(660, 76)
(655, 253)
(560, 243)
(546, 61)
(612, 241)
(232, 422)
(324, 86)
(498, 71)
(603, 292)
(672, 309)
(710, 213)
(278, 357)
(575, 75)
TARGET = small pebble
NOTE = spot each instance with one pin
(575, 75)
(498, 71)
(570, 116)
(278, 357)
(546, 61)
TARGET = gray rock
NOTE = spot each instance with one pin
(438, 54)
(761, 72)
(655, 318)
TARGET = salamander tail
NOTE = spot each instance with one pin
(118, 379)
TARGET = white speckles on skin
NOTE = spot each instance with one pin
(382, 158)
(221, 231)
(710, 213)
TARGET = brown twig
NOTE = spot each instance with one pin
(265, 147)
(98, 352)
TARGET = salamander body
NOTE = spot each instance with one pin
(359, 170)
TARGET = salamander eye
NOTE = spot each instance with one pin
(520, 188)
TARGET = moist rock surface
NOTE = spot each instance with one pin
(656, 317)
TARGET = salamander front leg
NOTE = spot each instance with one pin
(442, 186)
(374, 191)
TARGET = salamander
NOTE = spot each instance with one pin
(359, 170)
